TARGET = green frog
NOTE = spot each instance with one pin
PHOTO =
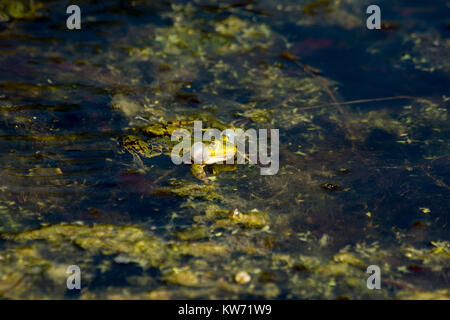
(154, 140)
(214, 155)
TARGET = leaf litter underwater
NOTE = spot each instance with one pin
(364, 150)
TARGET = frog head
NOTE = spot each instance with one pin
(217, 151)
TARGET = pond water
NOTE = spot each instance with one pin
(364, 149)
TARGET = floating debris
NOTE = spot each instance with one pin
(242, 277)
(331, 186)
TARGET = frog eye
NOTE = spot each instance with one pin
(230, 135)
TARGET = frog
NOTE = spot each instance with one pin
(153, 139)
(138, 147)
(213, 155)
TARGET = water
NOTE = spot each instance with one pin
(71, 194)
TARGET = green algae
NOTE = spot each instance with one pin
(429, 52)
(442, 294)
(227, 36)
(250, 219)
(201, 249)
(18, 264)
(318, 6)
(190, 190)
(8, 222)
(19, 9)
(131, 243)
(181, 277)
(108, 239)
(193, 233)
(437, 257)
(258, 115)
(342, 276)
(350, 259)
(223, 218)
(188, 46)
(341, 13)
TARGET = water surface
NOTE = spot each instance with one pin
(363, 111)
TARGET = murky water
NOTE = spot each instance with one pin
(364, 174)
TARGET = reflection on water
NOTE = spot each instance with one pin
(364, 149)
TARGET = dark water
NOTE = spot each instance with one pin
(364, 111)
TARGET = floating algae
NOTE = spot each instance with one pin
(19, 9)
(223, 218)
(430, 52)
(191, 190)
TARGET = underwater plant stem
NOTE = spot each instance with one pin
(437, 181)
(358, 101)
(336, 103)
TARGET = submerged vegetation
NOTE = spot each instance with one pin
(85, 124)
(25, 9)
